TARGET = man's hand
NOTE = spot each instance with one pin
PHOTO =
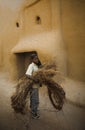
(31, 78)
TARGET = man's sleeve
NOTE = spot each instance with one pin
(29, 70)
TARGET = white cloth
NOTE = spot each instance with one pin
(30, 70)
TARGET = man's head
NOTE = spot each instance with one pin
(34, 58)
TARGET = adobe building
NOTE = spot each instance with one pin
(54, 29)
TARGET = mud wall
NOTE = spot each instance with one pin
(73, 28)
(64, 17)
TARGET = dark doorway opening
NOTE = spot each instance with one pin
(22, 62)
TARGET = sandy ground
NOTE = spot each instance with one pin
(70, 118)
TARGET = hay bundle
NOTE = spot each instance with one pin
(43, 76)
(18, 100)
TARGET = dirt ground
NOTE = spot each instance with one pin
(70, 118)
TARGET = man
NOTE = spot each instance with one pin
(34, 94)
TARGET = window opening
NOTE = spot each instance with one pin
(38, 20)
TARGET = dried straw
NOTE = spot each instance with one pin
(43, 76)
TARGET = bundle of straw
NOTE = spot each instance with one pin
(43, 76)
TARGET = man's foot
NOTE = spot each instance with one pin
(35, 116)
